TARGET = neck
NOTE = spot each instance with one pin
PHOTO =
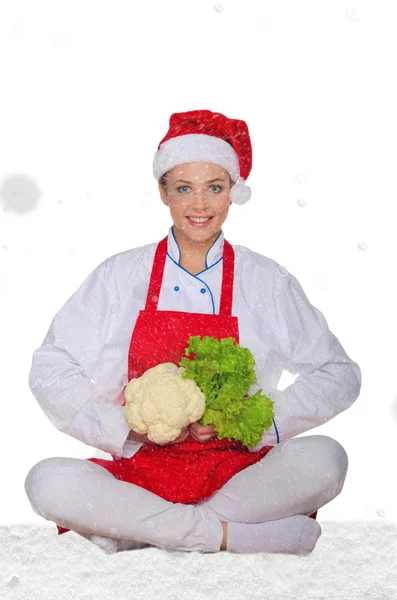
(191, 249)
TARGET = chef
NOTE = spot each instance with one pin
(137, 309)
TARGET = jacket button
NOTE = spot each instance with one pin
(203, 290)
(176, 288)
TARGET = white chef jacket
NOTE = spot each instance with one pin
(79, 372)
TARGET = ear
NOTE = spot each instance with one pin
(163, 194)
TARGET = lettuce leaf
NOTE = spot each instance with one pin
(224, 372)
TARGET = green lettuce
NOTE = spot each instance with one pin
(224, 372)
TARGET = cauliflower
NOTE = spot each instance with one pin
(161, 402)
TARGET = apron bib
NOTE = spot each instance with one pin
(190, 471)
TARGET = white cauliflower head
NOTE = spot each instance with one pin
(160, 403)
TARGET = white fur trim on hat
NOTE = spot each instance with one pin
(196, 147)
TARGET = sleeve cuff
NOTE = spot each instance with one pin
(130, 448)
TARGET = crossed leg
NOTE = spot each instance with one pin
(82, 496)
(296, 477)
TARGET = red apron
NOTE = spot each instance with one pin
(189, 471)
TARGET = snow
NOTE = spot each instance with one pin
(352, 560)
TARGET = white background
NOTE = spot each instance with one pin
(87, 89)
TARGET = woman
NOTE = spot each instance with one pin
(257, 499)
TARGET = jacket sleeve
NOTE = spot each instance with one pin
(62, 376)
(328, 380)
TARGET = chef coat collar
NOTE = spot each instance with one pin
(214, 254)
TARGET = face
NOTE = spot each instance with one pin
(197, 190)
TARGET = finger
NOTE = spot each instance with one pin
(207, 434)
(181, 437)
(205, 438)
(205, 429)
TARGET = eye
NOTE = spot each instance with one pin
(215, 185)
(181, 187)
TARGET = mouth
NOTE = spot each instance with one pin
(199, 224)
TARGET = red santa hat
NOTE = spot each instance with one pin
(205, 136)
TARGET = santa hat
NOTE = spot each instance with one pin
(205, 136)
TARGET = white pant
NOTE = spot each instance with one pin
(298, 476)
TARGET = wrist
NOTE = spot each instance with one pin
(133, 436)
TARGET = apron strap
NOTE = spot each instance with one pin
(157, 273)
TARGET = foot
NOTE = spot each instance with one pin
(111, 545)
(292, 535)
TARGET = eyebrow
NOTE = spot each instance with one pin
(210, 181)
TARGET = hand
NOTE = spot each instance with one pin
(181, 437)
(202, 433)
(142, 438)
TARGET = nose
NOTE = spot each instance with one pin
(200, 201)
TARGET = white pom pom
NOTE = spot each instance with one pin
(240, 192)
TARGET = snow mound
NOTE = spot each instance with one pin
(352, 560)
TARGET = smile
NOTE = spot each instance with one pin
(200, 222)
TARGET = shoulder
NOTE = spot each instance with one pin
(264, 274)
(253, 263)
(134, 257)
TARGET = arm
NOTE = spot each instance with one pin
(62, 375)
(328, 382)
